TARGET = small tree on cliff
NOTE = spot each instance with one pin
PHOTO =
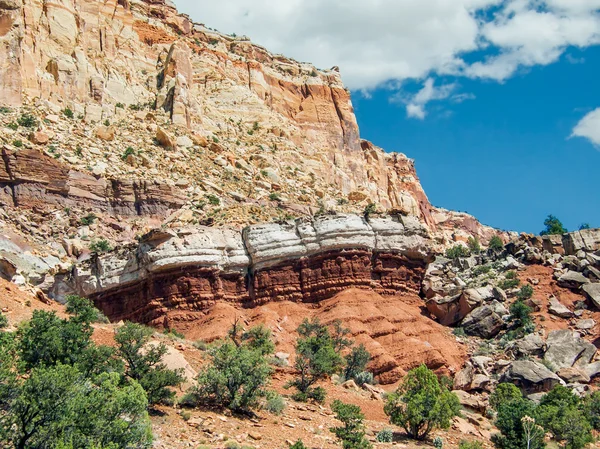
(316, 358)
(553, 226)
(144, 362)
(420, 404)
(352, 433)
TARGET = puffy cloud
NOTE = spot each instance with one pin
(375, 41)
(415, 105)
(589, 127)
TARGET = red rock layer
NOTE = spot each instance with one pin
(29, 178)
(306, 280)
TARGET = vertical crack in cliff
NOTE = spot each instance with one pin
(249, 76)
(338, 111)
(11, 177)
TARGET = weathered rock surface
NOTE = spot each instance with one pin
(593, 293)
(304, 261)
(531, 376)
(567, 349)
(485, 321)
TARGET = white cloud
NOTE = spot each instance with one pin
(589, 127)
(375, 41)
(415, 105)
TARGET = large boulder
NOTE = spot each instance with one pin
(485, 321)
(587, 240)
(555, 307)
(531, 376)
(566, 349)
(572, 280)
(592, 291)
(449, 311)
(531, 344)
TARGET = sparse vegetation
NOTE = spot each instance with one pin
(275, 404)
(213, 199)
(17, 143)
(438, 442)
(370, 209)
(238, 370)
(128, 152)
(67, 112)
(356, 362)
(275, 196)
(385, 436)
(352, 433)
(316, 357)
(496, 244)
(100, 246)
(474, 246)
(27, 121)
(525, 293)
(457, 251)
(553, 226)
(421, 404)
(88, 219)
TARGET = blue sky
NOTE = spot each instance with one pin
(504, 156)
(484, 94)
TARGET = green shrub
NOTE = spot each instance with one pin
(17, 143)
(370, 209)
(201, 345)
(509, 284)
(189, 399)
(481, 269)
(473, 444)
(275, 404)
(174, 333)
(364, 377)
(316, 358)
(298, 445)
(235, 377)
(592, 409)
(525, 293)
(88, 219)
(144, 362)
(100, 246)
(213, 199)
(4, 110)
(27, 121)
(352, 434)
(3, 321)
(84, 310)
(13, 126)
(421, 404)
(553, 226)
(520, 315)
(503, 394)
(275, 196)
(496, 244)
(457, 251)
(474, 246)
(438, 443)
(67, 112)
(511, 275)
(385, 436)
(356, 362)
(128, 152)
(459, 332)
(120, 105)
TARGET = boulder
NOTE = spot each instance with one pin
(485, 321)
(555, 307)
(573, 375)
(470, 401)
(592, 291)
(531, 344)
(164, 139)
(451, 310)
(39, 138)
(531, 376)
(480, 382)
(105, 133)
(566, 349)
(585, 325)
(572, 280)
(464, 378)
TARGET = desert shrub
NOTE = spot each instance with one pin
(370, 209)
(298, 445)
(553, 226)
(496, 244)
(316, 358)
(352, 433)
(385, 436)
(235, 377)
(17, 143)
(459, 332)
(520, 316)
(474, 245)
(100, 246)
(504, 393)
(144, 362)
(275, 404)
(481, 269)
(561, 412)
(364, 377)
(174, 333)
(457, 251)
(525, 293)
(592, 409)
(67, 112)
(27, 121)
(356, 362)
(421, 404)
(3, 321)
(201, 345)
(128, 152)
(88, 219)
(509, 284)
(473, 444)
(438, 443)
(275, 196)
(84, 310)
(213, 199)
(189, 399)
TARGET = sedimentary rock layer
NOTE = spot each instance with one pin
(29, 178)
(303, 261)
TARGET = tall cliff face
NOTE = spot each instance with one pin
(91, 55)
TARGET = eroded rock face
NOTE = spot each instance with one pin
(303, 261)
(29, 178)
